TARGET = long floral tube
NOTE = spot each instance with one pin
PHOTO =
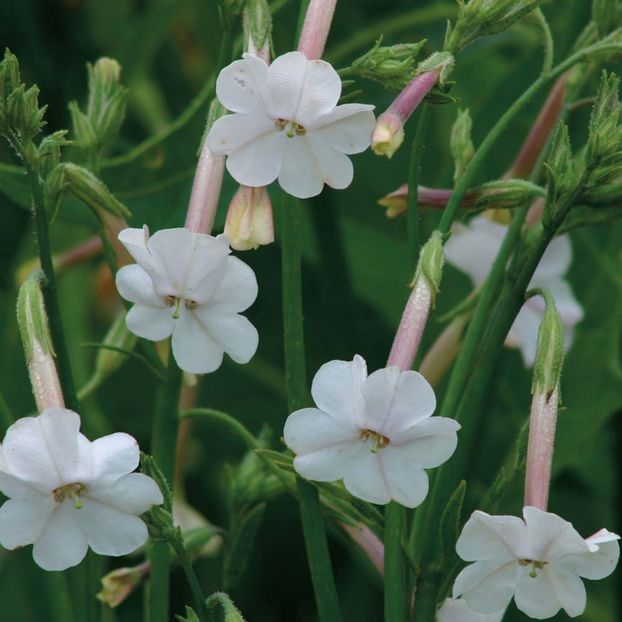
(316, 27)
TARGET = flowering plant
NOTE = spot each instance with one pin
(407, 416)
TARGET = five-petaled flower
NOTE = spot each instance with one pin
(67, 493)
(539, 561)
(287, 124)
(187, 285)
(473, 248)
(375, 432)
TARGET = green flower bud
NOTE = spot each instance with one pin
(49, 151)
(190, 616)
(32, 317)
(547, 369)
(23, 115)
(441, 62)
(257, 25)
(606, 15)
(83, 132)
(480, 18)
(461, 145)
(430, 264)
(230, 611)
(506, 194)
(393, 66)
(92, 191)
(605, 137)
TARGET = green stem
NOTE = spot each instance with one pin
(216, 415)
(163, 443)
(395, 596)
(296, 378)
(7, 418)
(58, 596)
(193, 580)
(52, 308)
(413, 180)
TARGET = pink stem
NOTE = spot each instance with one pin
(205, 192)
(542, 425)
(412, 325)
(369, 542)
(44, 379)
(315, 29)
(412, 95)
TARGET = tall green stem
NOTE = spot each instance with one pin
(61, 608)
(297, 397)
(163, 444)
(395, 597)
(414, 168)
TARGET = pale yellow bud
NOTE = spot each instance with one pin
(388, 134)
(249, 221)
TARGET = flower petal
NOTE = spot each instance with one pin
(286, 77)
(347, 128)
(336, 388)
(232, 332)
(395, 400)
(309, 430)
(235, 131)
(493, 538)
(473, 248)
(550, 536)
(45, 450)
(22, 520)
(242, 85)
(328, 464)
(15, 488)
(457, 610)
(407, 482)
(62, 543)
(135, 284)
(336, 167)
(320, 92)
(110, 531)
(543, 596)
(365, 478)
(134, 493)
(194, 349)
(258, 162)
(237, 289)
(594, 564)
(524, 333)
(135, 241)
(301, 173)
(114, 455)
(429, 443)
(487, 587)
(150, 323)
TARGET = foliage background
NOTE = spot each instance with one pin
(356, 265)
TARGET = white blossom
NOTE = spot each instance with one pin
(539, 561)
(375, 432)
(67, 493)
(457, 610)
(472, 248)
(287, 124)
(187, 285)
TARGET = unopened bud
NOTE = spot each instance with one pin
(83, 132)
(9, 75)
(461, 145)
(547, 368)
(257, 20)
(249, 221)
(92, 191)
(120, 583)
(441, 63)
(430, 266)
(230, 611)
(37, 341)
(606, 15)
(23, 114)
(605, 137)
(393, 66)
(506, 194)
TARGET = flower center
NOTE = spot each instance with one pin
(536, 565)
(69, 491)
(378, 441)
(175, 301)
(292, 128)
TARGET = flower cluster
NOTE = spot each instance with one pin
(376, 432)
(67, 493)
(472, 248)
(187, 285)
(286, 124)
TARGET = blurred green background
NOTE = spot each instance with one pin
(356, 267)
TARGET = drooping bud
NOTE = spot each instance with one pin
(37, 341)
(230, 611)
(461, 145)
(480, 18)
(425, 284)
(120, 583)
(92, 191)
(249, 221)
(544, 406)
(315, 29)
(393, 66)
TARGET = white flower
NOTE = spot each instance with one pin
(287, 124)
(538, 561)
(186, 284)
(376, 433)
(67, 493)
(472, 248)
(456, 610)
